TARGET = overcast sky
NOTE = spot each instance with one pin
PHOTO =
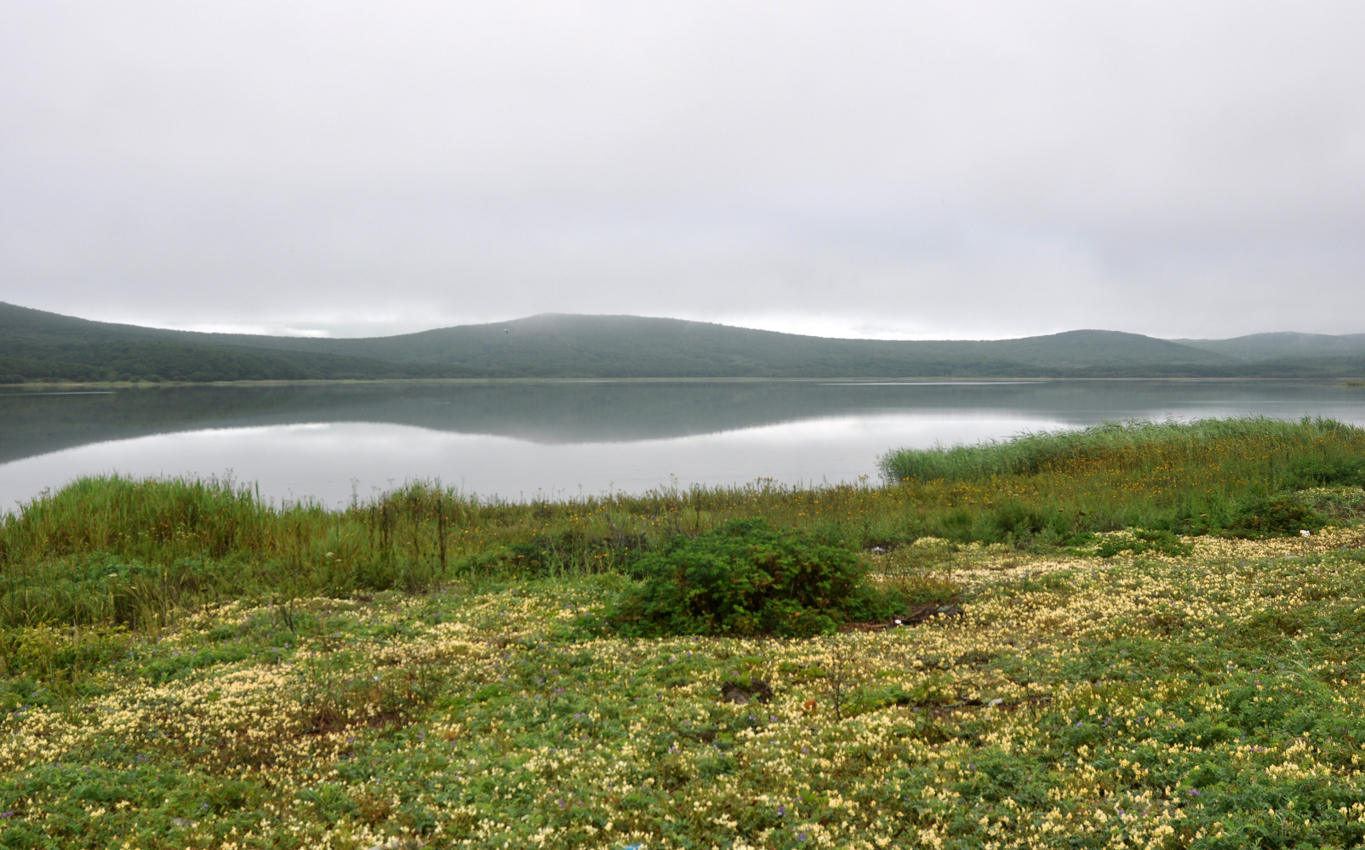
(901, 169)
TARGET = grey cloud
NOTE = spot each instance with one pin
(943, 168)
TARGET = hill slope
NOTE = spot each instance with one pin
(36, 345)
(1284, 346)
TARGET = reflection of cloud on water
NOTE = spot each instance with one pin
(338, 461)
(919, 431)
(526, 442)
(930, 383)
(237, 433)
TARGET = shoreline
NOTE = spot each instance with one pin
(855, 379)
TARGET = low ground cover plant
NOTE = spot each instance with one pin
(1209, 699)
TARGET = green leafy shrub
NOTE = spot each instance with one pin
(957, 525)
(1274, 517)
(1160, 541)
(1335, 503)
(747, 578)
(1016, 522)
(1327, 471)
(921, 587)
(573, 550)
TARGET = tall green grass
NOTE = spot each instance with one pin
(140, 552)
(1210, 476)
(1133, 443)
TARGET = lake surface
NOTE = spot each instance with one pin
(523, 440)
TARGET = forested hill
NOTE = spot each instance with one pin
(41, 346)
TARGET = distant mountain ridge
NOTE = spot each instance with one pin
(40, 346)
(1271, 346)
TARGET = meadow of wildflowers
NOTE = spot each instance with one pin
(198, 671)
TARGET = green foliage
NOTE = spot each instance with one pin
(1016, 521)
(112, 550)
(1275, 516)
(1214, 697)
(1206, 477)
(135, 552)
(1032, 453)
(745, 578)
(1161, 701)
(1336, 503)
(1161, 541)
(574, 551)
(1335, 470)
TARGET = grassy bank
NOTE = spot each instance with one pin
(134, 552)
(1143, 650)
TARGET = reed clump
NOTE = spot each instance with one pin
(1134, 445)
(1211, 476)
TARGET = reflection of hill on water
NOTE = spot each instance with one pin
(579, 412)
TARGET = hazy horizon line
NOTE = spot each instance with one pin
(296, 329)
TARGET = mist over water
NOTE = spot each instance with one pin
(526, 440)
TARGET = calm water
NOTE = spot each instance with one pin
(520, 441)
